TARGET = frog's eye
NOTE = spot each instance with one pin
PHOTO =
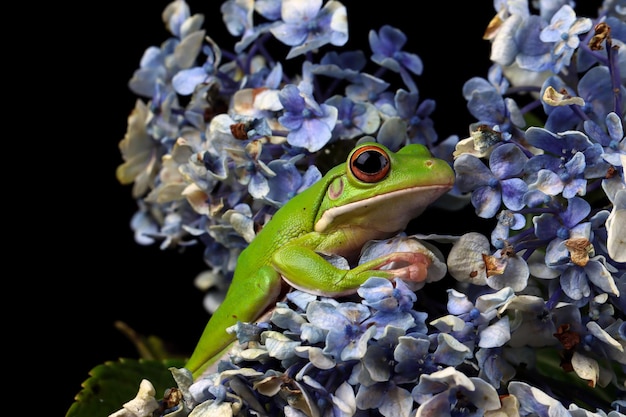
(370, 164)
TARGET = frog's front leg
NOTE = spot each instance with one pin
(305, 269)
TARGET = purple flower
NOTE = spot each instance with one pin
(309, 124)
(563, 33)
(449, 391)
(306, 25)
(387, 51)
(496, 184)
(417, 115)
(354, 119)
(347, 332)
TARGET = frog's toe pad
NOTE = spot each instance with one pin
(410, 266)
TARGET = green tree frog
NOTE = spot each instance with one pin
(373, 195)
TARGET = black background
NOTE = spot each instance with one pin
(93, 271)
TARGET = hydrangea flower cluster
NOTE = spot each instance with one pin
(220, 140)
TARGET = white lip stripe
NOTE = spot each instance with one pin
(330, 214)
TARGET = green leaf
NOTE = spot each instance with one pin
(114, 383)
(570, 385)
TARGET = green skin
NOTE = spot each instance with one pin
(335, 216)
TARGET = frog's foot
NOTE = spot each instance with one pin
(410, 266)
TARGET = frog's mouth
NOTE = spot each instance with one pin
(383, 213)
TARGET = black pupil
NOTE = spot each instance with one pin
(370, 162)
